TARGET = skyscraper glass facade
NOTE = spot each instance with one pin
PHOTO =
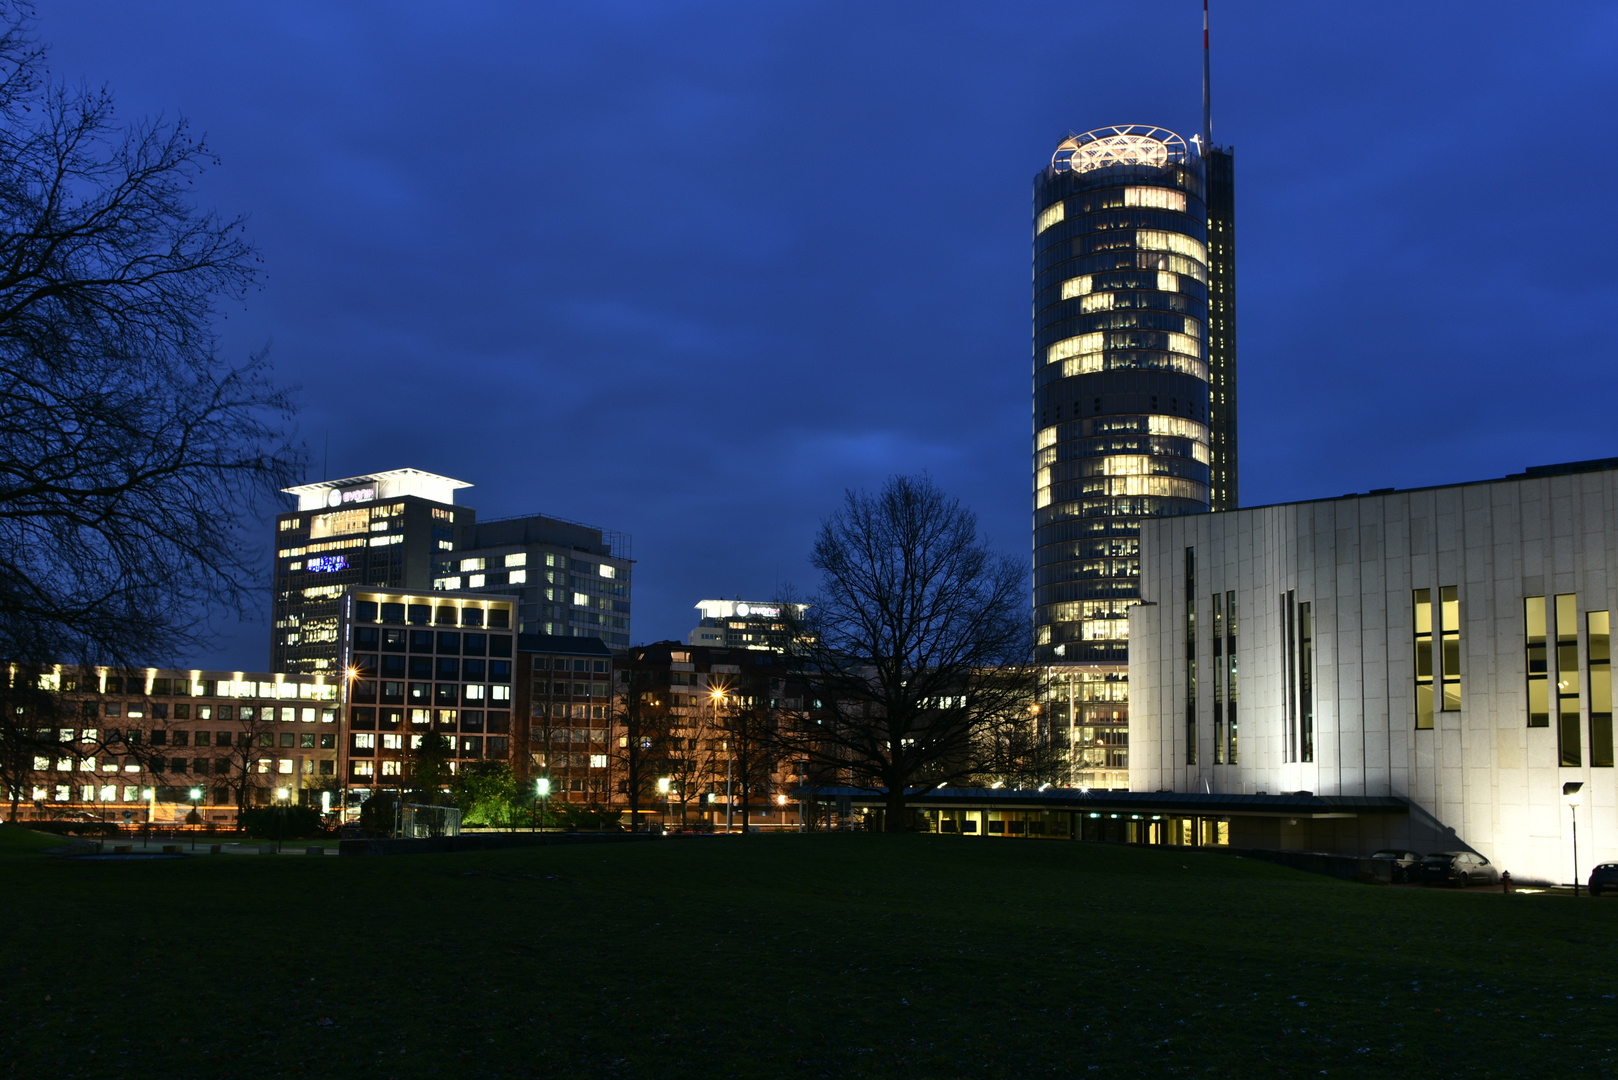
(1121, 375)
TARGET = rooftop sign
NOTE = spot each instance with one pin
(393, 484)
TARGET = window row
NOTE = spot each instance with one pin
(545, 663)
(497, 617)
(1560, 621)
(374, 639)
(441, 668)
(493, 747)
(208, 688)
(564, 710)
(201, 766)
(494, 721)
(1187, 342)
(385, 692)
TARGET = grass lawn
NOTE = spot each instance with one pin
(791, 956)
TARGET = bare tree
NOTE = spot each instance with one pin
(918, 643)
(641, 730)
(253, 733)
(131, 454)
(29, 715)
(547, 726)
(691, 755)
(747, 724)
(54, 729)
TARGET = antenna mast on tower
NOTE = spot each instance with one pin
(1207, 114)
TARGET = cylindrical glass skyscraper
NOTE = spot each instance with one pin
(1121, 382)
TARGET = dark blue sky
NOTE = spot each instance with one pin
(689, 270)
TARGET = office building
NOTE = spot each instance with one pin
(571, 580)
(699, 696)
(564, 716)
(1447, 647)
(748, 624)
(380, 531)
(1120, 374)
(152, 745)
(1134, 399)
(401, 529)
(419, 663)
(1121, 411)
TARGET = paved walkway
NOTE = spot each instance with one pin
(155, 847)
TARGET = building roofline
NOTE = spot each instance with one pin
(1284, 804)
(1533, 472)
(388, 474)
(558, 643)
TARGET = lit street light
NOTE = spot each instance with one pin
(718, 695)
(542, 791)
(196, 797)
(1572, 792)
(281, 796)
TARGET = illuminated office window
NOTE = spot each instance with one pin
(1074, 346)
(1539, 707)
(1568, 734)
(1053, 213)
(1424, 658)
(1158, 197)
(1598, 662)
(1449, 625)
(1077, 286)
(1158, 240)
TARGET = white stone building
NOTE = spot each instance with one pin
(1448, 646)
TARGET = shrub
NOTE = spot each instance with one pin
(286, 822)
(590, 816)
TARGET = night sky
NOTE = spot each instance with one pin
(689, 270)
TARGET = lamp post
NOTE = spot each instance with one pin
(663, 785)
(717, 694)
(196, 797)
(542, 791)
(1572, 793)
(281, 797)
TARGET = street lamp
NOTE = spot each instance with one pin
(196, 797)
(718, 695)
(1572, 794)
(282, 795)
(663, 786)
(542, 791)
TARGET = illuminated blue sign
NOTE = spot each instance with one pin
(328, 564)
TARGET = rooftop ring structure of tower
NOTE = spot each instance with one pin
(1121, 376)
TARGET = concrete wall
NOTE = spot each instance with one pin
(1481, 778)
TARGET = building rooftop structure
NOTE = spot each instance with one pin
(767, 625)
(390, 484)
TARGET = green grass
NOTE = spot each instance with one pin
(786, 956)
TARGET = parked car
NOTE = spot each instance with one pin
(1403, 863)
(1604, 878)
(1461, 868)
